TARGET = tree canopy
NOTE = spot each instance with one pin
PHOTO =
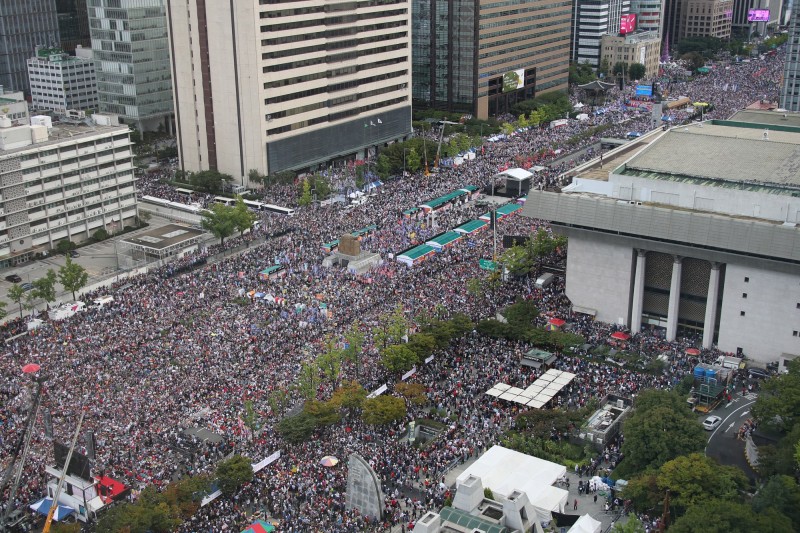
(233, 473)
(383, 409)
(72, 276)
(210, 181)
(220, 220)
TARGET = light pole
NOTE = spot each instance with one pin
(404, 162)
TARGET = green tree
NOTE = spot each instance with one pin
(308, 380)
(297, 429)
(354, 345)
(422, 344)
(383, 167)
(383, 410)
(695, 60)
(350, 395)
(330, 363)
(782, 494)
(580, 73)
(277, 400)
(305, 196)
(209, 181)
(413, 161)
(778, 403)
(605, 67)
(243, 218)
(631, 525)
(220, 220)
(233, 473)
(722, 516)
(620, 67)
(72, 276)
(636, 71)
(398, 358)
(414, 393)
(392, 328)
(360, 181)
(45, 288)
(324, 413)
(661, 428)
(254, 176)
(100, 235)
(16, 294)
(250, 417)
(64, 245)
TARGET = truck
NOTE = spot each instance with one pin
(101, 302)
(66, 310)
(733, 363)
(545, 280)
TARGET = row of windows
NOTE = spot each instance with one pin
(335, 102)
(334, 73)
(352, 84)
(557, 17)
(334, 58)
(321, 22)
(337, 116)
(329, 34)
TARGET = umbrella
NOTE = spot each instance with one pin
(259, 526)
(557, 322)
(43, 507)
(621, 336)
(30, 368)
(329, 460)
(692, 351)
(550, 327)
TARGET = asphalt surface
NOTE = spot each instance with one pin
(722, 442)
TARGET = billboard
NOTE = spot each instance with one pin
(644, 90)
(513, 80)
(627, 23)
(758, 15)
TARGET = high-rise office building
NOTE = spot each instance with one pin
(705, 18)
(289, 85)
(73, 24)
(482, 56)
(649, 15)
(790, 90)
(61, 82)
(131, 48)
(24, 24)
(591, 20)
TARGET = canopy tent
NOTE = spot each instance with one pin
(415, 255)
(259, 526)
(444, 240)
(586, 524)
(408, 213)
(692, 351)
(502, 212)
(364, 231)
(43, 507)
(471, 226)
(330, 246)
(517, 180)
(620, 336)
(442, 201)
(272, 272)
(557, 322)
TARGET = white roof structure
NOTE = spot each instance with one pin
(503, 471)
(586, 524)
(538, 393)
(515, 174)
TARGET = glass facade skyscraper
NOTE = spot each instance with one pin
(24, 24)
(790, 90)
(131, 49)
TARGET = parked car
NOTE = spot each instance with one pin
(13, 278)
(712, 422)
(26, 286)
(758, 373)
(74, 254)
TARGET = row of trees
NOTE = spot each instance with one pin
(72, 276)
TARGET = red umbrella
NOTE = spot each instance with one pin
(620, 336)
(692, 351)
(557, 322)
(30, 368)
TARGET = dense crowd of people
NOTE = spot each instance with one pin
(184, 346)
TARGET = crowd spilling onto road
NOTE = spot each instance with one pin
(184, 346)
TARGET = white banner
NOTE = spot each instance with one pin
(257, 467)
(409, 373)
(210, 498)
(428, 360)
(377, 392)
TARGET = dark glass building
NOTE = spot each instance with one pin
(23, 25)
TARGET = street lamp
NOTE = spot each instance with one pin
(404, 162)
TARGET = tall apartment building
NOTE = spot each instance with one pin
(642, 47)
(790, 89)
(73, 24)
(272, 86)
(24, 24)
(649, 15)
(62, 182)
(591, 20)
(705, 18)
(60, 81)
(131, 48)
(482, 56)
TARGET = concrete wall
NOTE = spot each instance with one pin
(772, 317)
(599, 276)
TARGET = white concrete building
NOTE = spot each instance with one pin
(14, 106)
(696, 234)
(275, 86)
(60, 81)
(62, 182)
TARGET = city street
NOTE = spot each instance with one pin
(722, 442)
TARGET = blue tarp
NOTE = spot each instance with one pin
(43, 507)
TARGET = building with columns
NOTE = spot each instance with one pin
(695, 234)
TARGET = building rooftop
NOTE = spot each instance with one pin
(62, 131)
(164, 237)
(720, 151)
(761, 116)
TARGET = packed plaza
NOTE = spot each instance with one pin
(175, 346)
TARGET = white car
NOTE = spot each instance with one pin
(711, 422)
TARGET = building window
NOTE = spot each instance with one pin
(746, 279)
(744, 295)
(741, 313)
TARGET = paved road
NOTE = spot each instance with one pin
(722, 442)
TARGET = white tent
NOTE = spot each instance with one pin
(586, 524)
(518, 176)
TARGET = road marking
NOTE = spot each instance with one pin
(743, 414)
(730, 427)
(723, 422)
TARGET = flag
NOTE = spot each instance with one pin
(371, 123)
(380, 121)
(492, 219)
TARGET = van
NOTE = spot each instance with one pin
(545, 280)
(101, 302)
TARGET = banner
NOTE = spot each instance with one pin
(409, 373)
(377, 392)
(257, 467)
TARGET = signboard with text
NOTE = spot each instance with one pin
(758, 15)
(627, 24)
